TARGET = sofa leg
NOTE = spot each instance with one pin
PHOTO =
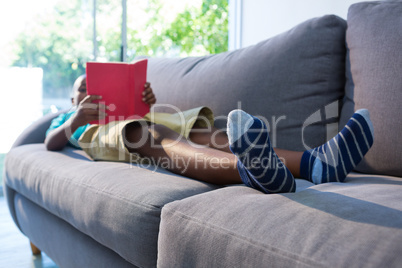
(35, 250)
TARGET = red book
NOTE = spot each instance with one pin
(121, 86)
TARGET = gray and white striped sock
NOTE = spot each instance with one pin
(332, 161)
(258, 165)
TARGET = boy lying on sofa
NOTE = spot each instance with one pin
(187, 144)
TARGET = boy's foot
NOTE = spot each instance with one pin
(332, 161)
(258, 165)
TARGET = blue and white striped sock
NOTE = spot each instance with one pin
(332, 161)
(258, 165)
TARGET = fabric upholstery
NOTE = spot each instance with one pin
(352, 224)
(285, 79)
(117, 204)
(374, 80)
(62, 242)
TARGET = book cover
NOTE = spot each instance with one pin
(121, 86)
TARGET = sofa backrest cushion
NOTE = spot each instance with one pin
(374, 80)
(288, 80)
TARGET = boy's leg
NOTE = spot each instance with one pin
(291, 159)
(218, 139)
(173, 152)
(211, 137)
(327, 163)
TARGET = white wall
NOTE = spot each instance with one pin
(251, 21)
(21, 102)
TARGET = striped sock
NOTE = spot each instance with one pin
(332, 161)
(258, 165)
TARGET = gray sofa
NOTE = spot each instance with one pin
(306, 83)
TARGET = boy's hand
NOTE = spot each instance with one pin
(148, 95)
(88, 111)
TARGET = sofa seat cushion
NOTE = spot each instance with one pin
(117, 204)
(352, 224)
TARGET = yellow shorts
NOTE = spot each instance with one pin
(106, 142)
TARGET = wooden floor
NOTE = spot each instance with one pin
(15, 251)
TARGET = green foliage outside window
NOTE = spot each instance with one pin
(61, 42)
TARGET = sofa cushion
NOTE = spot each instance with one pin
(117, 204)
(374, 80)
(284, 79)
(352, 224)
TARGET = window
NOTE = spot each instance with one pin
(55, 39)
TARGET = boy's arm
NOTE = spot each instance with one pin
(86, 112)
(58, 138)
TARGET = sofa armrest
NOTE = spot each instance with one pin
(36, 132)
